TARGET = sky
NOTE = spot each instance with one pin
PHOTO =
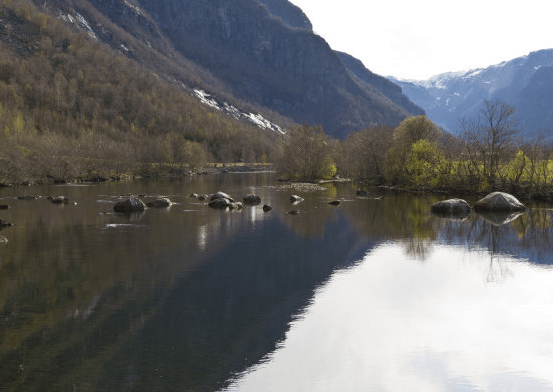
(419, 39)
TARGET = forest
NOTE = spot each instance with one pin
(73, 109)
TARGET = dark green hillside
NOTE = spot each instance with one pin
(71, 106)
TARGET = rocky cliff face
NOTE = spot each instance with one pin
(262, 52)
(264, 60)
(525, 82)
(289, 13)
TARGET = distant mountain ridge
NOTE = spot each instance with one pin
(525, 82)
(260, 53)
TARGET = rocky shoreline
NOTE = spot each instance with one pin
(157, 170)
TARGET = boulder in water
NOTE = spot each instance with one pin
(499, 201)
(132, 204)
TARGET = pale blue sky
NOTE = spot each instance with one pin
(419, 39)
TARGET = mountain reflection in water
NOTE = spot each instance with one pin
(195, 299)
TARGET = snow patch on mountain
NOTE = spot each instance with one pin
(133, 7)
(78, 20)
(257, 119)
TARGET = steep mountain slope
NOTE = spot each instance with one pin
(380, 83)
(260, 55)
(291, 14)
(262, 59)
(525, 82)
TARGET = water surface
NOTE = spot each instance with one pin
(375, 294)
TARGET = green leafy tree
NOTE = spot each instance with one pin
(423, 166)
(410, 131)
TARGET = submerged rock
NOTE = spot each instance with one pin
(499, 201)
(296, 199)
(361, 192)
(132, 204)
(27, 197)
(4, 207)
(252, 199)
(58, 199)
(335, 203)
(267, 208)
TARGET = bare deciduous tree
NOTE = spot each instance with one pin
(491, 138)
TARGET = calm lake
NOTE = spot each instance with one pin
(376, 294)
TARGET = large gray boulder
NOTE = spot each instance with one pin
(162, 202)
(221, 195)
(499, 202)
(132, 204)
(451, 207)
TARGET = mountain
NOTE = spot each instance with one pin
(380, 83)
(525, 82)
(260, 55)
(289, 13)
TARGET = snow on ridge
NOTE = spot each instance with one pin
(206, 99)
(78, 19)
(133, 7)
(256, 119)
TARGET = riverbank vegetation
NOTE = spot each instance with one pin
(489, 155)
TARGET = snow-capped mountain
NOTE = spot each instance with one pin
(525, 82)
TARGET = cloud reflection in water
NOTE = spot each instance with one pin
(392, 324)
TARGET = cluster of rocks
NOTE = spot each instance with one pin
(135, 204)
(219, 200)
(494, 203)
(5, 223)
(222, 201)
